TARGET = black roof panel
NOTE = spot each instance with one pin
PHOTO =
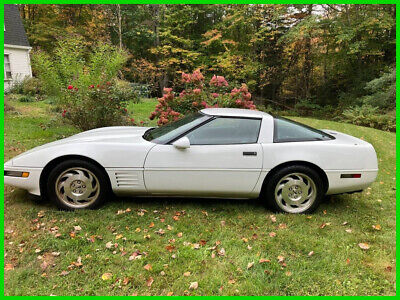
(14, 33)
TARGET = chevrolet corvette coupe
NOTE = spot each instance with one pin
(216, 152)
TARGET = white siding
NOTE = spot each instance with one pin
(20, 65)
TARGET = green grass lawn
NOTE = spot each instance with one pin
(159, 246)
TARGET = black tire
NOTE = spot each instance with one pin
(270, 187)
(99, 181)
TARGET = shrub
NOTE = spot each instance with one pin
(125, 91)
(31, 86)
(26, 98)
(95, 107)
(26, 86)
(196, 95)
(84, 82)
(370, 116)
(8, 107)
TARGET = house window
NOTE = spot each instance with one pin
(7, 67)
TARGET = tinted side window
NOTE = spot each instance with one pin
(291, 131)
(224, 131)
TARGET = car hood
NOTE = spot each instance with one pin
(115, 134)
(106, 133)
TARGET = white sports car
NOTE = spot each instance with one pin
(231, 153)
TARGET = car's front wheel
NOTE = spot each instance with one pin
(295, 189)
(77, 184)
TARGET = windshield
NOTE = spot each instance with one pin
(164, 134)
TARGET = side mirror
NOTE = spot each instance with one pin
(182, 143)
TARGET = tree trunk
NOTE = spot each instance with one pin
(119, 19)
(307, 60)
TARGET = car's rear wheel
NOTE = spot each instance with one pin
(77, 184)
(295, 189)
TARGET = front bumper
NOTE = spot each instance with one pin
(30, 183)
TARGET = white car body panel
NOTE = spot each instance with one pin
(203, 170)
(139, 167)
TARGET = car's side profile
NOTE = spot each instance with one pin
(213, 153)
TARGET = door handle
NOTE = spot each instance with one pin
(249, 153)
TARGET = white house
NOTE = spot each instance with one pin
(17, 63)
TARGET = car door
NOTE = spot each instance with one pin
(224, 159)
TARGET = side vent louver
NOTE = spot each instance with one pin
(126, 179)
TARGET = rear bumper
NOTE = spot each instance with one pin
(339, 185)
(30, 183)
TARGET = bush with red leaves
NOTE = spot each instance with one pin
(196, 96)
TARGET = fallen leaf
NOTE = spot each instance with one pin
(176, 218)
(203, 242)
(288, 273)
(282, 226)
(245, 240)
(388, 268)
(196, 246)
(193, 285)
(311, 253)
(273, 218)
(223, 223)
(9, 267)
(119, 236)
(160, 232)
(149, 281)
(38, 250)
(44, 265)
(250, 265)
(345, 223)
(170, 293)
(169, 227)
(231, 281)
(272, 234)
(249, 247)
(180, 234)
(151, 225)
(349, 230)
(137, 229)
(170, 248)
(186, 274)
(148, 267)
(109, 245)
(64, 273)
(77, 228)
(221, 252)
(376, 227)
(106, 276)
(126, 280)
(363, 246)
(263, 260)
(281, 259)
(204, 213)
